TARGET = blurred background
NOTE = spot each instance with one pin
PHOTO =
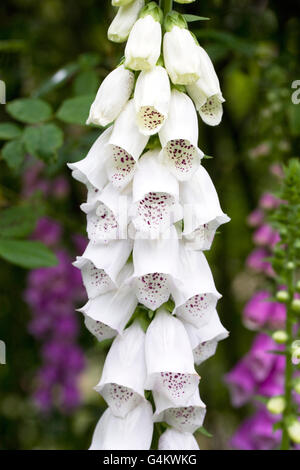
(56, 52)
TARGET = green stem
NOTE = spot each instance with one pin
(167, 6)
(285, 442)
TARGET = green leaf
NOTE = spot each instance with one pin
(43, 141)
(59, 78)
(9, 130)
(29, 110)
(75, 110)
(294, 119)
(17, 221)
(31, 139)
(204, 432)
(13, 153)
(192, 18)
(86, 83)
(27, 254)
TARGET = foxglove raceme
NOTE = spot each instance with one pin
(124, 20)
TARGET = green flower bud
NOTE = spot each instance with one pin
(184, 1)
(298, 286)
(152, 9)
(174, 19)
(297, 386)
(280, 337)
(276, 405)
(290, 266)
(295, 350)
(296, 305)
(282, 296)
(293, 429)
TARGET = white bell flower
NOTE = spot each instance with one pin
(169, 359)
(202, 211)
(152, 99)
(155, 265)
(179, 137)
(125, 18)
(172, 439)
(113, 94)
(134, 432)
(120, 3)
(109, 313)
(125, 145)
(144, 43)
(205, 340)
(91, 169)
(155, 194)
(206, 92)
(124, 372)
(180, 51)
(100, 266)
(184, 418)
(195, 294)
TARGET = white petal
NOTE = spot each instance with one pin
(155, 199)
(124, 373)
(92, 168)
(202, 210)
(179, 137)
(185, 419)
(195, 295)
(134, 432)
(169, 359)
(125, 18)
(111, 97)
(172, 439)
(101, 264)
(151, 99)
(180, 55)
(144, 43)
(212, 111)
(204, 341)
(102, 224)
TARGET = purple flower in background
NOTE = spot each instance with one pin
(256, 218)
(241, 383)
(268, 201)
(257, 261)
(48, 231)
(260, 361)
(257, 310)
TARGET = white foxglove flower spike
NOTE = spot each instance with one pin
(180, 51)
(195, 294)
(134, 432)
(179, 137)
(155, 265)
(108, 314)
(124, 372)
(152, 99)
(91, 169)
(125, 145)
(155, 196)
(172, 439)
(100, 266)
(206, 92)
(169, 360)
(202, 211)
(124, 20)
(144, 43)
(111, 97)
(205, 340)
(186, 418)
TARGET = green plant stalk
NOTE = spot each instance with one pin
(167, 6)
(285, 442)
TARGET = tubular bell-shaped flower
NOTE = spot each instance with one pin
(134, 432)
(179, 137)
(152, 99)
(206, 92)
(205, 340)
(113, 94)
(124, 373)
(169, 360)
(155, 265)
(184, 418)
(202, 211)
(124, 20)
(195, 294)
(155, 199)
(125, 145)
(143, 47)
(120, 3)
(180, 51)
(100, 266)
(172, 439)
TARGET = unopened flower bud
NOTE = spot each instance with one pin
(294, 430)
(280, 336)
(298, 286)
(296, 352)
(296, 305)
(282, 296)
(290, 265)
(184, 1)
(276, 405)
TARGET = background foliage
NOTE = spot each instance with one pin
(53, 55)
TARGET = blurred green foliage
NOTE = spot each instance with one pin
(53, 56)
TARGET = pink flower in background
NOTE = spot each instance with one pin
(256, 218)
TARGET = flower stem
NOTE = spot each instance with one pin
(167, 6)
(285, 442)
